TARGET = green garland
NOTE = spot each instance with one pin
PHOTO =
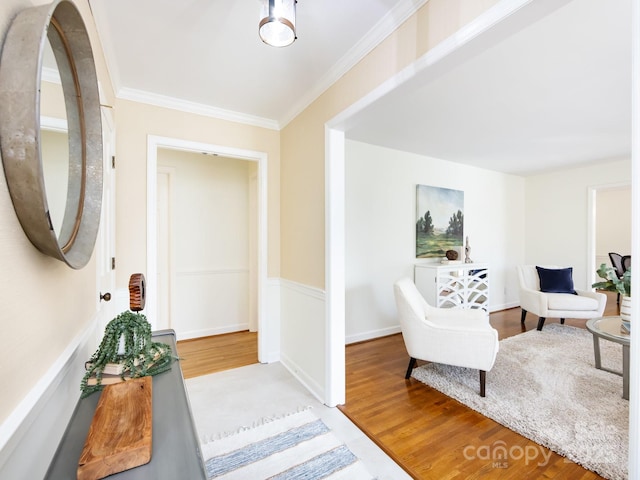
(141, 356)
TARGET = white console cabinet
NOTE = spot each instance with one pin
(460, 285)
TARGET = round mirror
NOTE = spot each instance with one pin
(69, 232)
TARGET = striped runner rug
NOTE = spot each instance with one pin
(296, 446)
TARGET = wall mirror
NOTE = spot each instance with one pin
(56, 191)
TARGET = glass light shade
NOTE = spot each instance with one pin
(278, 22)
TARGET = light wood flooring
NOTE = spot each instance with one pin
(424, 431)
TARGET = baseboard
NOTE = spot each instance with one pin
(207, 332)
(309, 383)
(504, 306)
(30, 436)
(370, 335)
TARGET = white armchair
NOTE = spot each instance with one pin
(583, 304)
(450, 336)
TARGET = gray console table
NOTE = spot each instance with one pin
(175, 450)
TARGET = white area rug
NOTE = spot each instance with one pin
(545, 387)
(296, 446)
(236, 404)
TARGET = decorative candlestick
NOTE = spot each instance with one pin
(467, 251)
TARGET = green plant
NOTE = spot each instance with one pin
(140, 357)
(611, 282)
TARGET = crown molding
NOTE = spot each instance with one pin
(196, 108)
(379, 32)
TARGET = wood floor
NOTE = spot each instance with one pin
(201, 356)
(427, 433)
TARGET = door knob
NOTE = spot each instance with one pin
(106, 296)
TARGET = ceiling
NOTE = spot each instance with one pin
(548, 88)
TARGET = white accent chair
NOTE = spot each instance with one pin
(583, 305)
(460, 337)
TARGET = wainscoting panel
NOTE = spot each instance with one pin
(210, 302)
(269, 335)
(303, 347)
(30, 436)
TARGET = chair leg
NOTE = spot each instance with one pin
(522, 315)
(541, 323)
(562, 321)
(483, 381)
(412, 364)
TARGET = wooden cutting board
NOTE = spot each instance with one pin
(120, 434)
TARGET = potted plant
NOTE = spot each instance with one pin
(127, 351)
(622, 285)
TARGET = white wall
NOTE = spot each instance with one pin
(209, 237)
(380, 229)
(558, 216)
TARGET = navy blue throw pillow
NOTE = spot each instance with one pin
(556, 280)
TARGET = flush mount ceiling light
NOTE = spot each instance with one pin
(278, 22)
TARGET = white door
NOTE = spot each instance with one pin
(105, 244)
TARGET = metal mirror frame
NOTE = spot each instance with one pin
(20, 145)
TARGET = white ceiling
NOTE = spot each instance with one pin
(554, 93)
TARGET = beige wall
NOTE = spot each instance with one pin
(52, 104)
(135, 122)
(45, 304)
(613, 223)
(303, 139)
(55, 169)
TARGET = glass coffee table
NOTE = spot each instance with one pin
(610, 328)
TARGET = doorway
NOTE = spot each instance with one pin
(608, 232)
(205, 217)
(256, 177)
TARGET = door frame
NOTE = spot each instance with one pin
(171, 281)
(105, 250)
(592, 224)
(155, 142)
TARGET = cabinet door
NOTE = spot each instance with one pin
(463, 288)
(425, 280)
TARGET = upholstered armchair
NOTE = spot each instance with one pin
(460, 337)
(560, 299)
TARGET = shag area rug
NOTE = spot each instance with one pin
(295, 446)
(545, 387)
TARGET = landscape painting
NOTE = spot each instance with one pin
(439, 220)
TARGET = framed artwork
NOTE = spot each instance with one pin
(439, 220)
